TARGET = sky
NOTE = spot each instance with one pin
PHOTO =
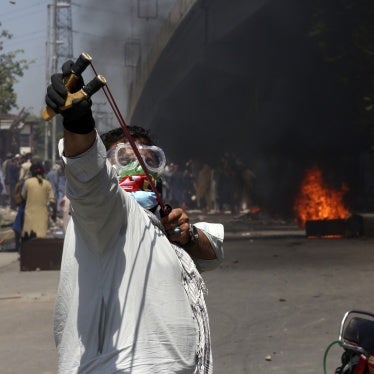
(26, 21)
(102, 31)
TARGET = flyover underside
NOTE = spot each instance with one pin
(261, 91)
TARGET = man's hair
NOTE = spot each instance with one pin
(114, 136)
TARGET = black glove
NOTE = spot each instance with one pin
(78, 118)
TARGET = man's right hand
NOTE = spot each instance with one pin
(78, 118)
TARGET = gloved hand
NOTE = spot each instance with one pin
(78, 118)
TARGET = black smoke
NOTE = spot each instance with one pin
(118, 35)
(262, 92)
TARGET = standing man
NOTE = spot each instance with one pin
(11, 178)
(130, 298)
(8, 159)
(24, 171)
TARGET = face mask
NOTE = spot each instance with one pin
(131, 176)
(145, 198)
(132, 183)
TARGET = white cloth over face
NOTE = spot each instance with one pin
(121, 305)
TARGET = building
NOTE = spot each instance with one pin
(16, 134)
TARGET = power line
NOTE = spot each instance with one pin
(101, 10)
(19, 14)
(36, 64)
(88, 34)
(16, 37)
(15, 10)
(22, 39)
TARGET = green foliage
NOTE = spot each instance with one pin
(10, 68)
(344, 32)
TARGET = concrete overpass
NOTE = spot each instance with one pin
(243, 76)
(194, 64)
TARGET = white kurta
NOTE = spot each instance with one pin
(121, 306)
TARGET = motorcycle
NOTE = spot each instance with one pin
(356, 337)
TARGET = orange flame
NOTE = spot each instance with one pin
(254, 209)
(316, 201)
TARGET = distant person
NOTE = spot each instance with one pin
(24, 171)
(11, 178)
(176, 186)
(203, 187)
(38, 194)
(20, 216)
(2, 183)
(53, 177)
(9, 157)
(189, 180)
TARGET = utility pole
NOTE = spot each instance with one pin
(64, 32)
(54, 71)
(61, 47)
(47, 75)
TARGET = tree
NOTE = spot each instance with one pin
(10, 68)
(344, 32)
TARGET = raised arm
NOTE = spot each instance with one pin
(79, 125)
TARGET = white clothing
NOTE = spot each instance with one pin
(66, 214)
(121, 306)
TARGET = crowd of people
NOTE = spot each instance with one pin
(227, 186)
(35, 191)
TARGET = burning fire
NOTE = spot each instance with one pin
(317, 201)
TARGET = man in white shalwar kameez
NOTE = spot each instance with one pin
(130, 297)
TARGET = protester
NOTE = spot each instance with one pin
(11, 178)
(2, 183)
(20, 216)
(52, 177)
(203, 189)
(8, 159)
(24, 171)
(176, 186)
(38, 194)
(189, 181)
(130, 298)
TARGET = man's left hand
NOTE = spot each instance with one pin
(176, 225)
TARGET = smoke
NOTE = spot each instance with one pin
(279, 107)
(263, 92)
(118, 35)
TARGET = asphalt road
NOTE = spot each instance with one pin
(275, 304)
